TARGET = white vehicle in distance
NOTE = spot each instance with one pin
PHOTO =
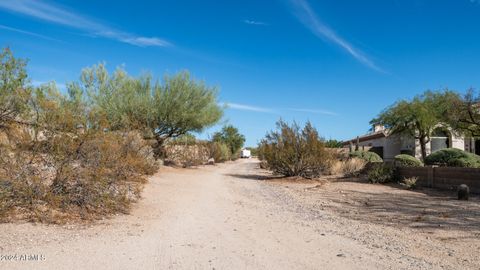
(245, 153)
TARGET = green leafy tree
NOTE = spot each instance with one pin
(463, 113)
(123, 102)
(417, 118)
(183, 105)
(231, 137)
(333, 143)
(14, 91)
(178, 106)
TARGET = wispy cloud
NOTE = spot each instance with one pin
(244, 107)
(37, 83)
(12, 29)
(58, 15)
(252, 22)
(325, 112)
(309, 18)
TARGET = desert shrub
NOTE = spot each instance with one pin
(291, 151)
(349, 167)
(253, 151)
(100, 173)
(59, 158)
(380, 173)
(77, 176)
(409, 183)
(219, 151)
(453, 157)
(367, 156)
(353, 166)
(407, 161)
(336, 167)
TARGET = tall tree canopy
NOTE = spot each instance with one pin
(174, 108)
(463, 113)
(231, 137)
(418, 117)
(14, 89)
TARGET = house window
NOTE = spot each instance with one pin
(440, 139)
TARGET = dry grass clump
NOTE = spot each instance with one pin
(409, 183)
(350, 167)
(353, 166)
(219, 151)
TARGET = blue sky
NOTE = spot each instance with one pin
(336, 63)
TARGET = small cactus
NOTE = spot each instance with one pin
(463, 192)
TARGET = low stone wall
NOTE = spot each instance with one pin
(187, 155)
(443, 177)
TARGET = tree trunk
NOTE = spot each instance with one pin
(158, 148)
(423, 147)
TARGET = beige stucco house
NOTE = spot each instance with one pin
(389, 145)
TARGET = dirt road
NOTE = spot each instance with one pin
(215, 217)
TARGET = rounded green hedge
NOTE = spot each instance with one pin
(407, 161)
(452, 157)
(367, 156)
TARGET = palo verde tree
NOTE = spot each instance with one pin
(178, 106)
(417, 118)
(230, 136)
(14, 89)
(182, 105)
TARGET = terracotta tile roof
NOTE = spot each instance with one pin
(367, 137)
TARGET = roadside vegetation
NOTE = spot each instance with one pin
(293, 151)
(452, 157)
(404, 160)
(366, 156)
(418, 117)
(187, 151)
(230, 137)
(84, 153)
(332, 143)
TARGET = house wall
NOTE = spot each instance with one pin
(379, 142)
(391, 146)
(456, 141)
(469, 145)
(397, 144)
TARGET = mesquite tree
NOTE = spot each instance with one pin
(463, 113)
(417, 118)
